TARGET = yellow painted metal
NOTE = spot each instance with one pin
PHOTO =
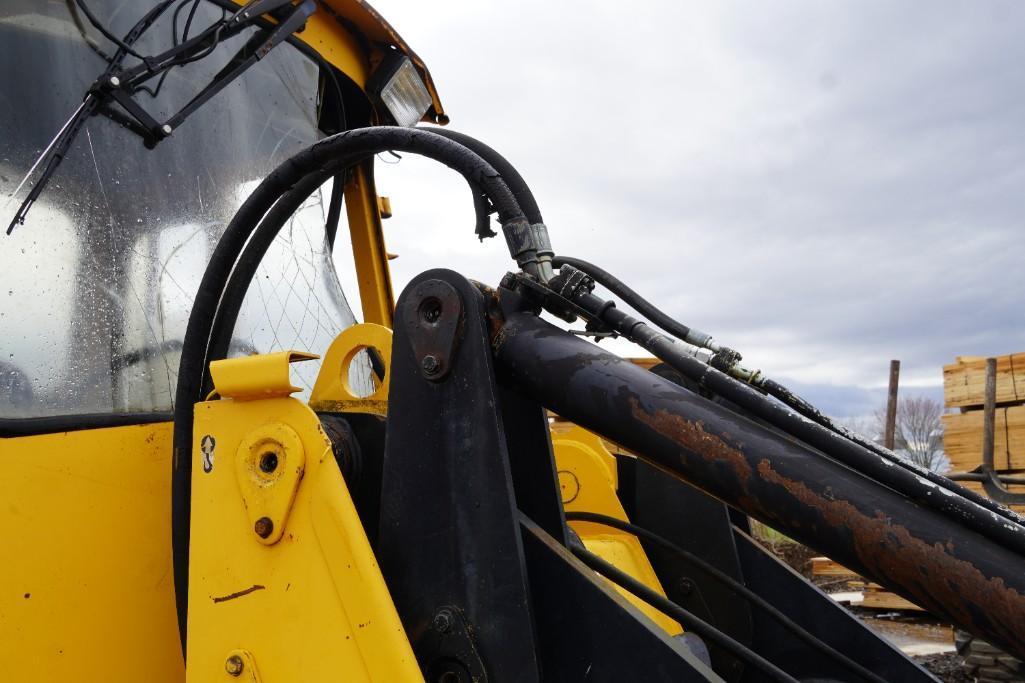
(338, 46)
(86, 590)
(312, 607)
(588, 481)
(332, 392)
(369, 254)
(262, 375)
(269, 465)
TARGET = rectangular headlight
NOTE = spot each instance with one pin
(403, 93)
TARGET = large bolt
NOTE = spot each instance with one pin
(431, 365)
(234, 665)
(166, 128)
(443, 621)
(114, 82)
(263, 527)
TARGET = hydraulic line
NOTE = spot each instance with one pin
(537, 235)
(639, 303)
(951, 502)
(517, 185)
(727, 363)
(731, 583)
(689, 620)
(803, 407)
(328, 157)
(245, 268)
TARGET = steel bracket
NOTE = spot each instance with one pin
(433, 315)
(269, 465)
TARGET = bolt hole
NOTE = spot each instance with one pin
(448, 677)
(269, 462)
(430, 310)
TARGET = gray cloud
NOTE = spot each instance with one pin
(825, 186)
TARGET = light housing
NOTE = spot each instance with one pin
(398, 87)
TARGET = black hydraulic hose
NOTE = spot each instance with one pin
(689, 620)
(322, 157)
(947, 501)
(803, 407)
(773, 388)
(731, 583)
(636, 301)
(517, 185)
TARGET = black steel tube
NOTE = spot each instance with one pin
(945, 498)
(930, 558)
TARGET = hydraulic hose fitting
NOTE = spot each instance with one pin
(530, 246)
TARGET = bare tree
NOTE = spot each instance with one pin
(918, 434)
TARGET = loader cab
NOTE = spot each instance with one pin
(99, 280)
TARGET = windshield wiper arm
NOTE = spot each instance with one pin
(119, 86)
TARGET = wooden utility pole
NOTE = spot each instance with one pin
(891, 405)
(989, 412)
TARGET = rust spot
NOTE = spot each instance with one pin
(926, 572)
(692, 436)
(239, 594)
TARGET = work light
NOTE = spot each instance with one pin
(401, 90)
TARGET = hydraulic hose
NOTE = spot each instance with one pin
(328, 157)
(689, 620)
(639, 303)
(775, 389)
(914, 486)
(803, 407)
(734, 585)
(517, 185)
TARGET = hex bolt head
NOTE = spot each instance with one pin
(264, 527)
(443, 621)
(167, 129)
(431, 365)
(114, 81)
(685, 586)
(234, 665)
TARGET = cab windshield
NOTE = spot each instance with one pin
(97, 285)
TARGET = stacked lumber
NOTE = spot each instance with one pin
(874, 596)
(964, 389)
(964, 381)
(962, 439)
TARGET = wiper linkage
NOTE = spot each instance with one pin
(120, 86)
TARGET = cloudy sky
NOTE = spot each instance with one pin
(824, 186)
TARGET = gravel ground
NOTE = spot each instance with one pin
(946, 667)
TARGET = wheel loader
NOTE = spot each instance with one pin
(214, 472)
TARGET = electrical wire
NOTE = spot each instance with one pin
(98, 25)
(731, 583)
(690, 621)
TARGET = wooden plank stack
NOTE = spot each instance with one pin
(874, 596)
(964, 383)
